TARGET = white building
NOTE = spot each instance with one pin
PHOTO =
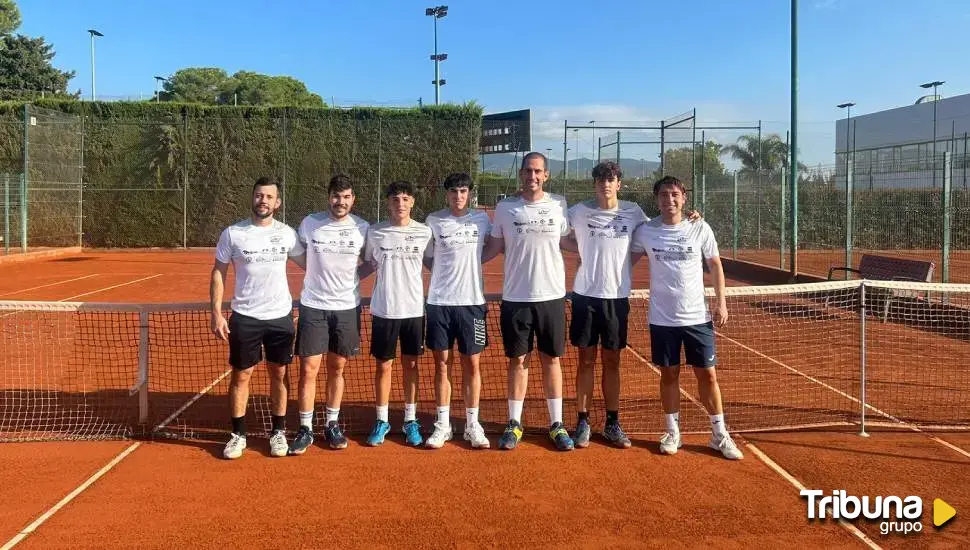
(894, 148)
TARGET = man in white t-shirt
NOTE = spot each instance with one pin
(262, 310)
(601, 231)
(528, 229)
(329, 308)
(678, 311)
(456, 305)
(396, 249)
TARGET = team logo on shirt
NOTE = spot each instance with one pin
(276, 239)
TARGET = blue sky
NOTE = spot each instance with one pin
(609, 61)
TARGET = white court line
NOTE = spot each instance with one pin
(49, 284)
(192, 400)
(111, 287)
(880, 412)
(766, 460)
(70, 496)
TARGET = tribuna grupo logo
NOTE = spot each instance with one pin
(894, 514)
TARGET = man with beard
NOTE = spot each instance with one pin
(262, 310)
(329, 308)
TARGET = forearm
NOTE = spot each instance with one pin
(717, 278)
(217, 286)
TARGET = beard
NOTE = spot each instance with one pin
(262, 215)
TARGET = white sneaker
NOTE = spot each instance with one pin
(669, 443)
(475, 434)
(235, 447)
(439, 436)
(726, 446)
(277, 444)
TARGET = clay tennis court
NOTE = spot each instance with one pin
(786, 365)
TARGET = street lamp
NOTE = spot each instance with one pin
(436, 14)
(933, 85)
(158, 82)
(848, 120)
(93, 34)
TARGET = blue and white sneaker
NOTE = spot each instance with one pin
(581, 436)
(560, 437)
(335, 436)
(302, 441)
(412, 433)
(376, 437)
(615, 435)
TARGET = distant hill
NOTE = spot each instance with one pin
(506, 163)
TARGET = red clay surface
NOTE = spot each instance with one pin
(173, 494)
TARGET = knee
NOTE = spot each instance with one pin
(335, 370)
(309, 368)
(517, 364)
(669, 375)
(277, 373)
(705, 375)
(240, 377)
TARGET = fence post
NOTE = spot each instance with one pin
(734, 219)
(947, 214)
(80, 187)
(23, 181)
(23, 211)
(380, 158)
(862, 359)
(703, 193)
(185, 177)
(617, 148)
(781, 223)
(849, 196)
(6, 213)
(286, 193)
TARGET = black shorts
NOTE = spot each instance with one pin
(697, 340)
(545, 320)
(599, 321)
(248, 337)
(386, 333)
(463, 323)
(320, 330)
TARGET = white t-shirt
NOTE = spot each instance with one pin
(258, 256)
(534, 270)
(676, 256)
(332, 252)
(604, 238)
(397, 254)
(456, 278)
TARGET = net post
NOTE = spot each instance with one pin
(734, 219)
(862, 358)
(143, 367)
(947, 214)
(849, 192)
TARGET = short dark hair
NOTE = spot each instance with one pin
(668, 180)
(458, 179)
(266, 181)
(338, 183)
(607, 169)
(535, 155)
(399, 187)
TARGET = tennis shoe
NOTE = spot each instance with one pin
(726, 446)
(235, 447)
(277, 444)
(669, 443)
(440, 434)
(475, 434)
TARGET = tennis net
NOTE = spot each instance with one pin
(790, 357)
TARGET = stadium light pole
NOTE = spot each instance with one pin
(793, 150)
(437, 13)
(933, 85)
(576, 134)
(93, 34)
(848, 121)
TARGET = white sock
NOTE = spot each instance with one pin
(515, 410)
(410, 412)
(382, 413)
(471, 416)
(306, 419)
(718, 427)
(673, 423)
(444, 416)
(555, 410)
(332, 415)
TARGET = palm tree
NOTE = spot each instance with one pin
(772, 151)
